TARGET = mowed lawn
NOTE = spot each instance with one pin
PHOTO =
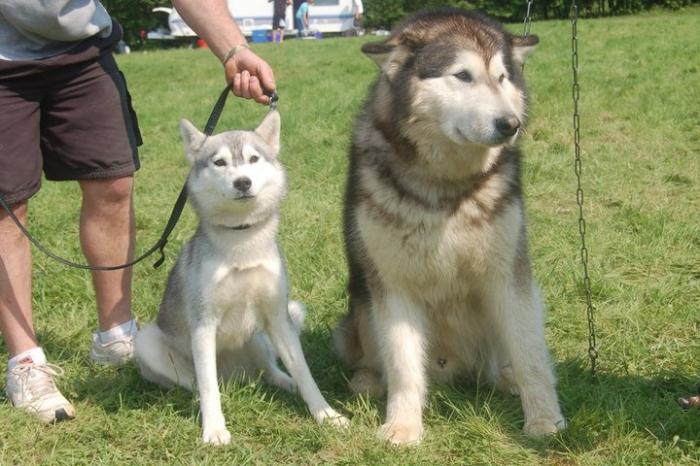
(640, 119)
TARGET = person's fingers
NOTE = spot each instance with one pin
(250, 76)
(245, 84)
(266, 77)
(256, 91)
(237, 84)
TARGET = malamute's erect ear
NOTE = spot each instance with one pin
(269, 130)
(522, 46)
(378, 51)
(192, 138)
(388, 55)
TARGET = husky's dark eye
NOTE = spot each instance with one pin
(220, 162)
(501, 78)
(464, 76)
(254, 159)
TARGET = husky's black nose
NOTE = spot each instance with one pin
(242, 184)
(507, 125)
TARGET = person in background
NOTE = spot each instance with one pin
(303, 16)
(357, 13)
(66, 110)
(295, 7)
(278, 19)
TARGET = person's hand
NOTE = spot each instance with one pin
(250, 76)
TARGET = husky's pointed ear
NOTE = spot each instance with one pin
(522, 46)
(192, 138)
(269, 130)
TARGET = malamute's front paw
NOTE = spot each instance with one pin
(331, 417)
(542, 426)
(216, 436)
(401, 433)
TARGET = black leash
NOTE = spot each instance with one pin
(174, 215)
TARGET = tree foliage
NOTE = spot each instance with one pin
(384, 13)
(134, 15)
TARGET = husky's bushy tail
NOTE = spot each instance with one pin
(158, 362)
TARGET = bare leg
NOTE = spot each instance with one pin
(402, 327)
(107, 235)
(16, 284)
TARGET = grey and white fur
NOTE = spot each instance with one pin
(225, 311)
(440, 282)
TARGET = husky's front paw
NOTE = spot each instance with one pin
(542, 426)
(401, 433)
(331, 417)
(216, 436)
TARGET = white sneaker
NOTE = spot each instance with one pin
(114, 353)
(31, 387)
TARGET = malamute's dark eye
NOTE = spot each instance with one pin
(501, 78)
(220, 162)
(464, 76)
(254, 158)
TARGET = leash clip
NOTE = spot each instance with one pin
(273, 100)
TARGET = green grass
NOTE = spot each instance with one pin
(640, 118)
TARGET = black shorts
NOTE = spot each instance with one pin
(278, 21)
(69, 115)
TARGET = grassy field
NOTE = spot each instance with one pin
(640, 118)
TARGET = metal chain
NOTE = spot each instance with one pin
(527, 23)
(578, 168)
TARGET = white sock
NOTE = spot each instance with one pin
(35, 355)
(128, 328)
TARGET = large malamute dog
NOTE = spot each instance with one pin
(440, 281)
(225, 310)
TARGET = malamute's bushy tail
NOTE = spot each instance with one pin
(158, 363)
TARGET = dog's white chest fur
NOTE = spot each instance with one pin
(441, 256)
(239, 297)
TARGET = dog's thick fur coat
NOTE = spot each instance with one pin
(225, 311)
(440, 280)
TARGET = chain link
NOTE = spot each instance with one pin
(578, 168)
(527, 23)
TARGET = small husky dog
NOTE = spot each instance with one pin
(225, 310)
(440, 281)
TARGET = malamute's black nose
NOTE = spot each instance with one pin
(508, 125)
(242, 184)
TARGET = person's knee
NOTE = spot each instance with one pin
(113, 191)
(19, 210)
(13, 240)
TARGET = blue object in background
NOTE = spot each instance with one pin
(261, 35)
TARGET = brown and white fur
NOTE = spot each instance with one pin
(225, 311)
(440, 280)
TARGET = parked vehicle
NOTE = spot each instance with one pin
(325, 16)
